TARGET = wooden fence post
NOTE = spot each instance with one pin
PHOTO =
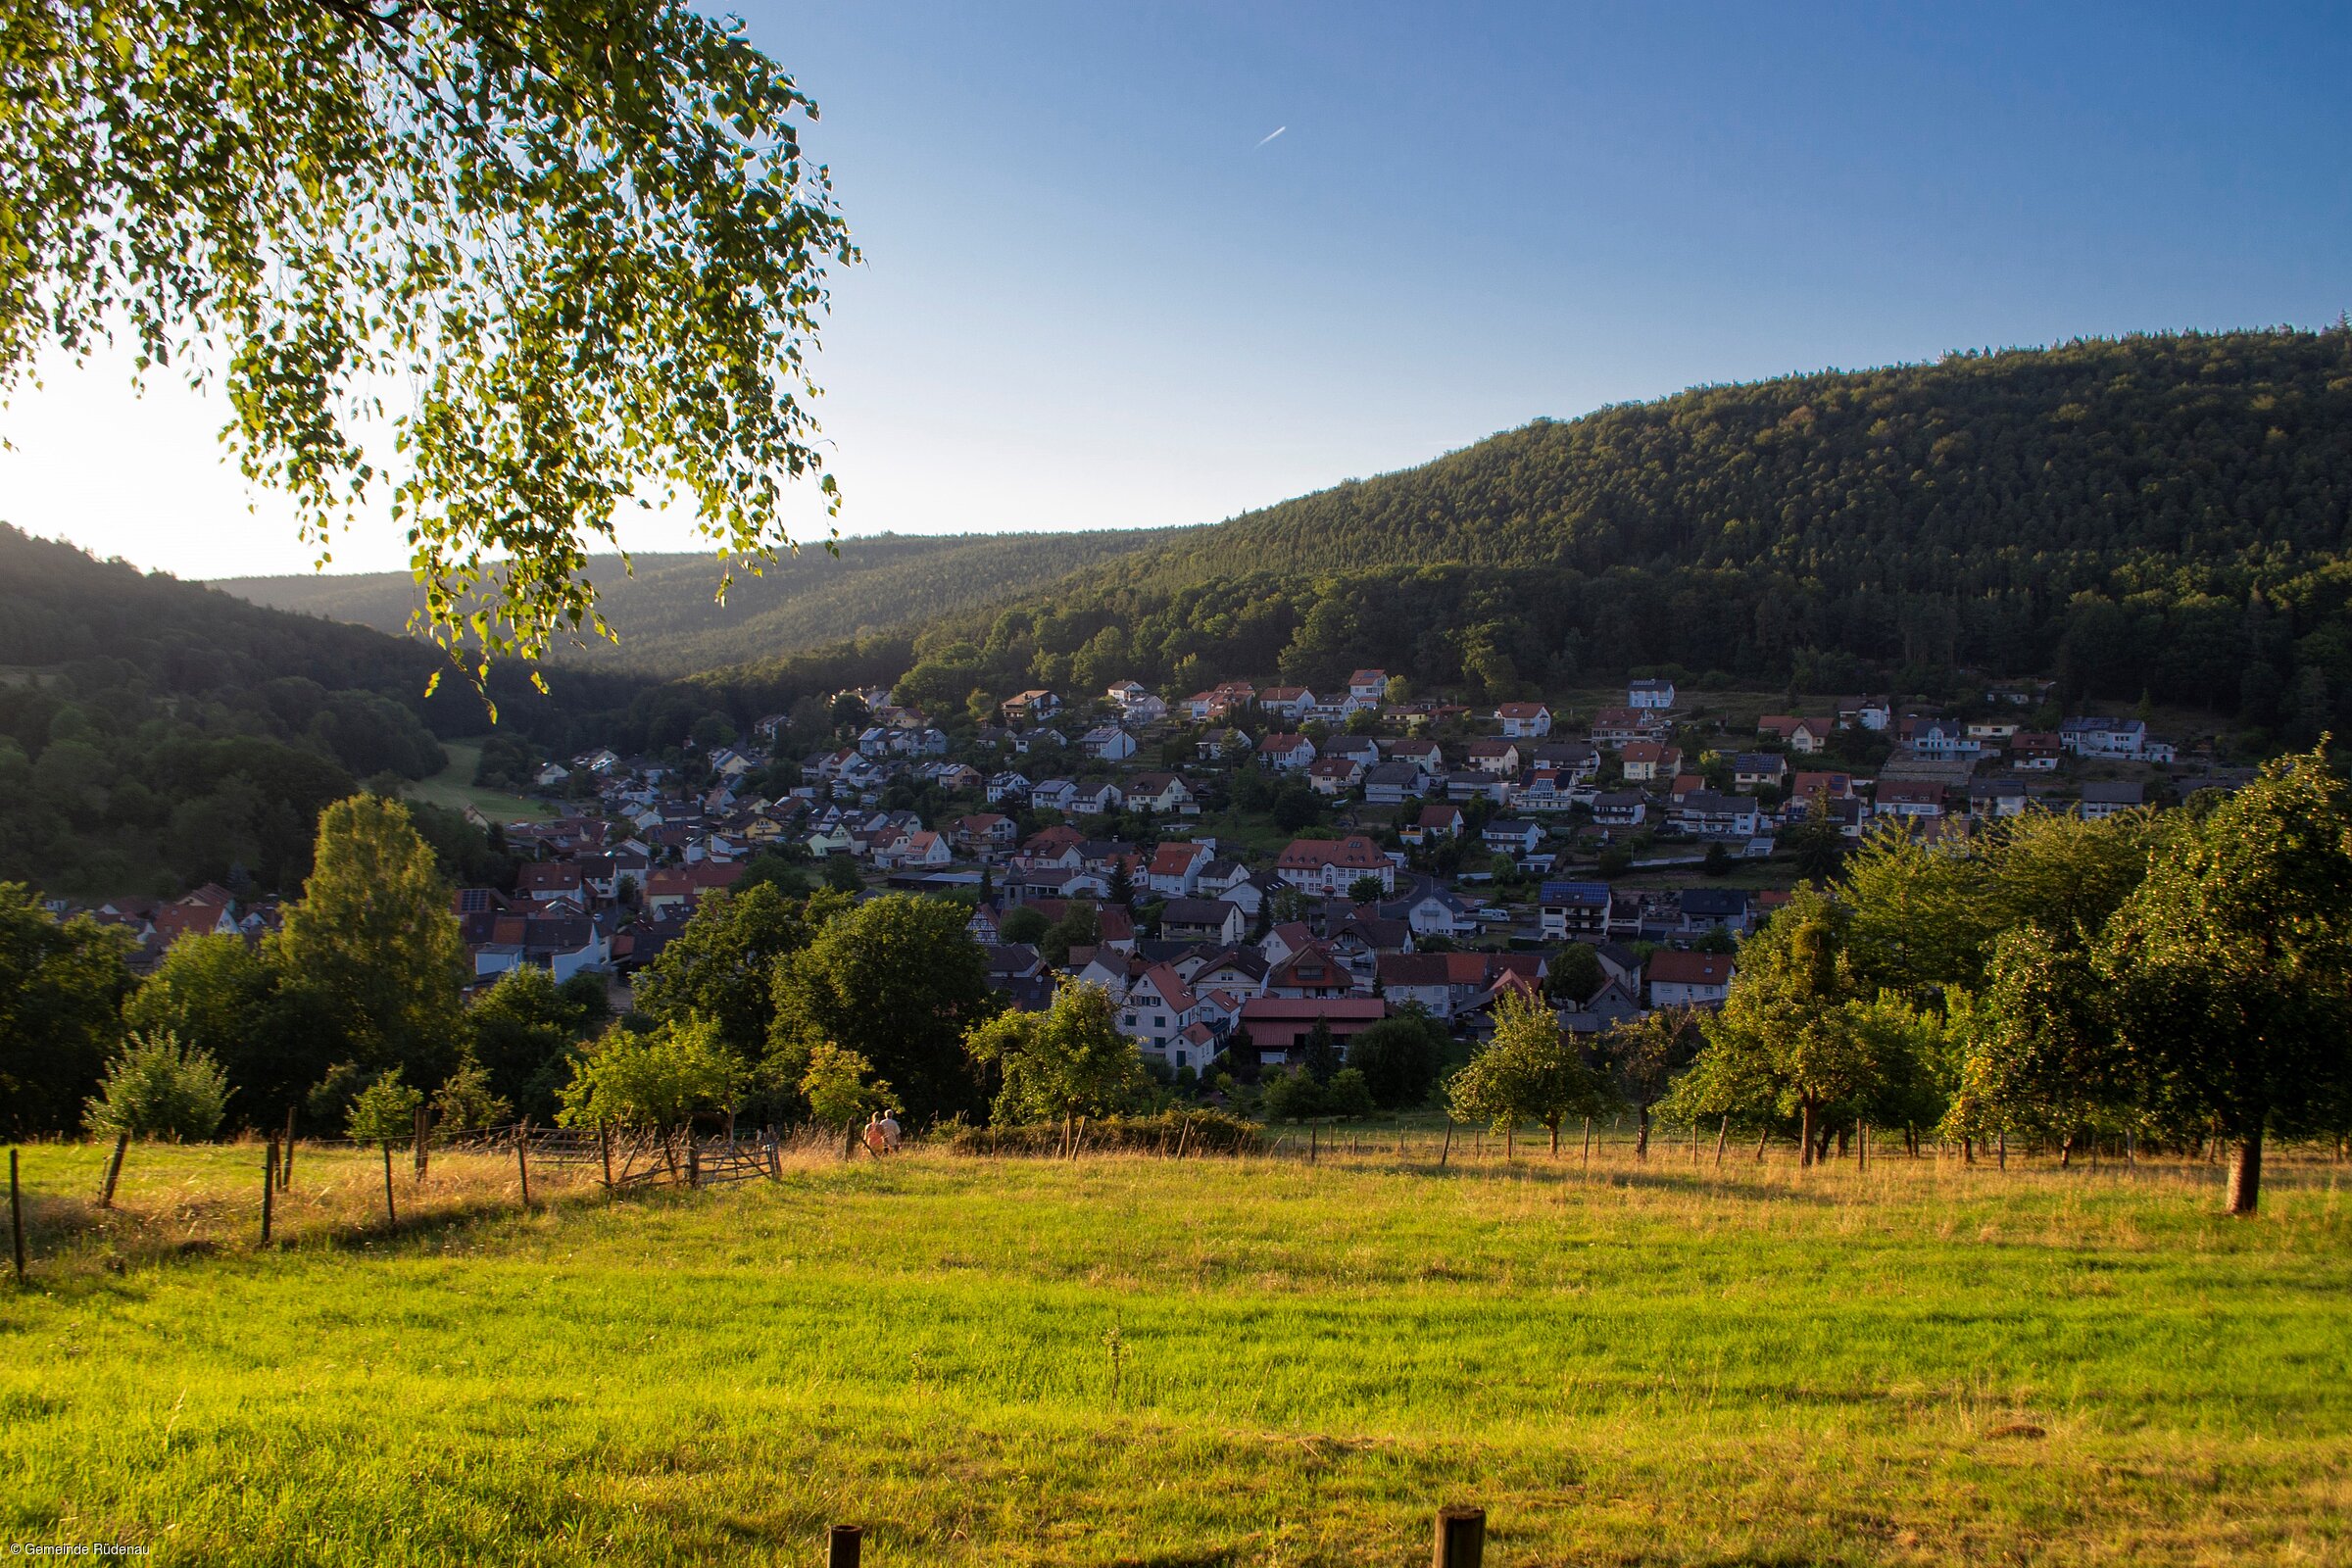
(269, 1183)
(522, 1160)
(604, 1145)
(114, 1170)
(1448, 1149)
(285, 1155)
(1461, 1541)
(1723, 1141)
(1862, 1145)
(694, 1165)
(424, 1126)
(1312, 1140)
(391, 1211)
(16, 1217)
(1588, 1141)
(842, 1545)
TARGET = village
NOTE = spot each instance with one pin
(1249, 864)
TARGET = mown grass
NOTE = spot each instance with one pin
(455, 789)
(1136, 1360)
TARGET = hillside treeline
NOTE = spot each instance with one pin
(665, 610)
(156, 734)
(2159, 515)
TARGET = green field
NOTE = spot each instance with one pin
(454, 787)
(1136, 1360)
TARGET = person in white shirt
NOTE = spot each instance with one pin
(890, 1132)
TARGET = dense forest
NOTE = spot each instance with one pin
(668, 623)
(2165, 517)
(154, 733)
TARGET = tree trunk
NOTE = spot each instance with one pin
(1804, 1136)
(2066, 1153)
(2245, 1174)
(1844, 1133)
(1641, 1133)
(1555, 1139)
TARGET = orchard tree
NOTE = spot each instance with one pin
(584, 240)
(386, 1111)
(2233, 966)
(1069, 1060)
(523, 1033)
(373, 932)
(898, 980)
(1576, 974)
(842, 1088)
(1400, 1058)
(1531, 1071)
(652, 1081)
(722, 967)
(2038, 1055)
(1641, 1058)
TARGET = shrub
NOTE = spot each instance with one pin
(156, 1087)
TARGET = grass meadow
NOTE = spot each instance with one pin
(1126, 1359)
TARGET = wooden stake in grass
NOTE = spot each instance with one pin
(423, 1124)
(1461, 1538)
(1448, 1149)
(114, 1170)
(391, 1211)
(522, 1160)
(604, 1145)
(16, 1217)
(285, 1155)
(1587, 1142)
(269, 1183)
(1723, 1141)
(842, 1545)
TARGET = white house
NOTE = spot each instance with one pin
(1652, 694)
(1108, 743)
(1159, 1008)
(1523, 721)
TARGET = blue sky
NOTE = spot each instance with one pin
(1094, 298)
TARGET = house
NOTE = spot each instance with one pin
(1293, 703)
(1992, 731)
(1657, 695)
(1865, 713)
(1942, 739)
(1435, 822)
(1433, 912)
(1217, 920)
(1108, 743)
(1237, 970)
(1031, 708)
(1162, 794)
(1441, 984)
(1314, 970)
(1804, 736)
(1647, 761)
(1710, 816)
(1276, 1027)
(1287, 752)
(1907, 798)
(1620, 808)
(2035, 751)
(1998, 797)
(1175, 869)
(2103, 737)
(1334, 776)
(1367, 689)
(1331, 866)
(1523, 721)
(1574, 760)
(1471, 784)
(1422, 753)
(1053, 795)
(1836, 786)
(1573, 909)
(1394, 783)
(682, 888)
(1159, 1008)
(1613, 727)
(544, 882)
(563, 945)
(1213, 746)
(1714, 910)
(1513, 836)
(2102, 799)
(1689, 979)
(1752, 770)
(1493, 756)
(1362, 748)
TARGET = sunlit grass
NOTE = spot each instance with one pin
(1142, 1360)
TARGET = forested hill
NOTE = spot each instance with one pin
(2164, 515)
(668, 623)
(154, 733)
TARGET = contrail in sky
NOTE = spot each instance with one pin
(1271, 135)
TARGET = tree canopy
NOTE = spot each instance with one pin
(586, 235)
